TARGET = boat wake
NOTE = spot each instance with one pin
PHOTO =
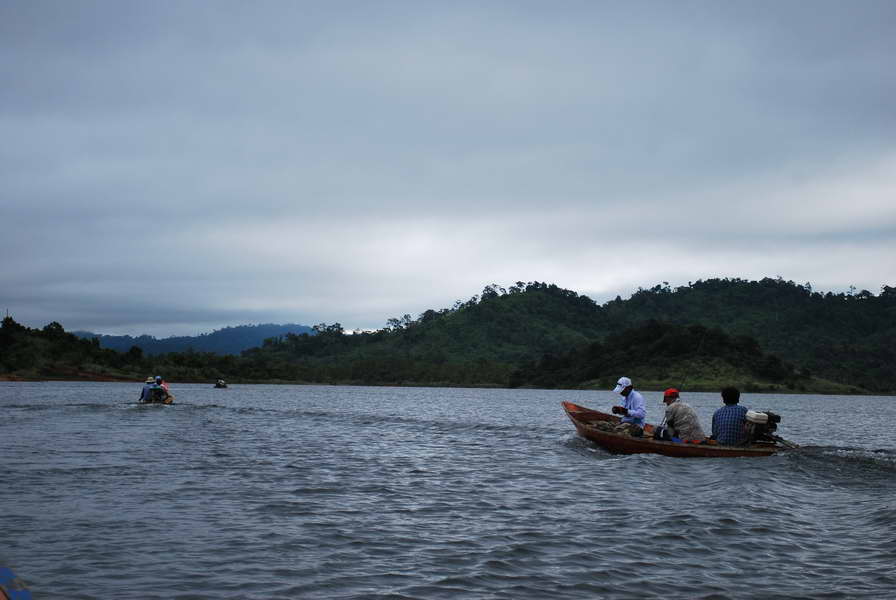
(846, 467)
(883, 456)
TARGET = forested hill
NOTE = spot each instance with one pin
(229, 340)
(768, 334)
(848, 338)
(660, 355)
(480, 341)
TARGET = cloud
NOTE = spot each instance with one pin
(298, 162)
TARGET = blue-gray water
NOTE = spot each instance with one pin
(351, 492)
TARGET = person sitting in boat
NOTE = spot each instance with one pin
(632, 410)
(159, 390)
(681, 420)
(728, 422)
(146, 392)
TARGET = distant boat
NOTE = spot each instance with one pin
(220, 384)
(592, 425)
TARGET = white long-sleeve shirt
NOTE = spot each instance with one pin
(637, 410)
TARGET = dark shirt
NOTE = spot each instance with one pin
(728, 425)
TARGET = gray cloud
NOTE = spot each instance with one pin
(355, 161)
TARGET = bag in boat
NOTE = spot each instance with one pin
(662, 433)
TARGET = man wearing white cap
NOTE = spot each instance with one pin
(633, 410)
(146, 392)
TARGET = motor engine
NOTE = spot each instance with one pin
(761, 426)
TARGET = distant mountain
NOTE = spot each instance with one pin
(229, 340)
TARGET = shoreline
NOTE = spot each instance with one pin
(94, 378)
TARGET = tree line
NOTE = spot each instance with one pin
(768, 334)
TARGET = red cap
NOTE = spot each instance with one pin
(670, 392)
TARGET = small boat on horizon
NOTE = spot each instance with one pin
(593, 425)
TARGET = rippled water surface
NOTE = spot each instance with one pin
(351, 492)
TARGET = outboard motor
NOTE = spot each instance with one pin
(761, 426)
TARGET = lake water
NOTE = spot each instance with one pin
(352, 492)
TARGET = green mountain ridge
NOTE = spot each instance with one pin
(763, 335)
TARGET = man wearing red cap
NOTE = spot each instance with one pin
(681, 420)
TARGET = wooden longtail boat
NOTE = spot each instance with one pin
(585, 420)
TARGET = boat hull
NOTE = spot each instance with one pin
(168, 400)
(584, 420)
(11, 587)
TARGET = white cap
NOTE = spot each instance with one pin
(623, 383)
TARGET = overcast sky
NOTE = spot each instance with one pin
(175, 167)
